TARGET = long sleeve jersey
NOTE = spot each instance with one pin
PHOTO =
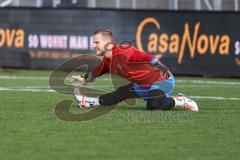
(131, 64)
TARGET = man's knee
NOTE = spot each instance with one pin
(153, 104)
(157, 100)
(125, 92)
(120, 94)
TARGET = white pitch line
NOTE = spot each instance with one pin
(27, 78)
(50, 90)
(207, 86)
(217, 98)
(207, 82)
(177, 86)
(24, 77)
(25, 89)
(199, 81)
(109, 79)
(112, 87)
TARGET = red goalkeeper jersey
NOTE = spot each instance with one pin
(131, 64)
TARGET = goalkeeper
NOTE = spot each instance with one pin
(149, 78)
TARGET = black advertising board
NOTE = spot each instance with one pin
(190, 43)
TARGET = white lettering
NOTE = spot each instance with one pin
(53, 41)
(33, 41)
(237, 48)
(78, 42)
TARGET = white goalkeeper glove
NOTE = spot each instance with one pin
(79, 80)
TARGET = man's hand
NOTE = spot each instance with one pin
(81, 80)
(78, 81)
(162, 68)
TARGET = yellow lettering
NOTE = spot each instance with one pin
(163, 41)
(10, 36)
(213, 43)
(140, 29)
(174, 43)
(2, 38)
(19, 41)
(202, 44)
(224, 45)
(152, 44)
(187, 39)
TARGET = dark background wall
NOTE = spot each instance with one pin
(45, 38)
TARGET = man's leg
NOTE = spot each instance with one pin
(108, 99)
(157, 100)
(120, 94)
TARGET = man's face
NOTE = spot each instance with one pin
(99, 43)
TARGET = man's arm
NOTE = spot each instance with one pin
(89, 77)
(137, 56)
(98, 70)
(142, 57)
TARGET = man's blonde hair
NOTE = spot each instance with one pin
(104, 32)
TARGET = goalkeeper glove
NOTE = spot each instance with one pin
(162, 68)
(79, 80)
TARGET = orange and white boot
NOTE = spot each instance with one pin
(187, 103)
